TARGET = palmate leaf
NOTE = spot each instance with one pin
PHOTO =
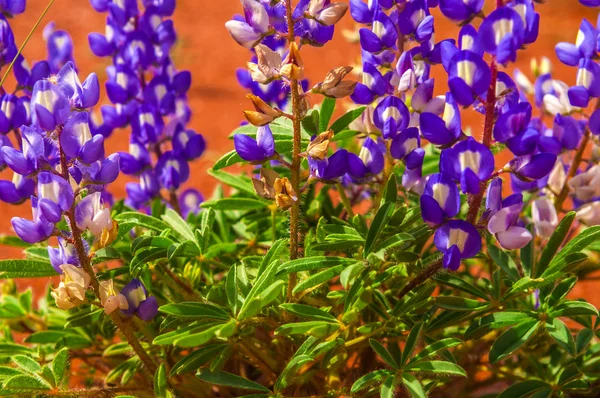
(562, 335)
(411, 342)
(388, 387)
(511, 340)
(160, 382)
(318, 278)
(11, 269)
(195, 310)
(238, 204)
(241, 183)
(229, 380)
(379, 222)
(486, 324)
(437, 367)
(197, 358)
(523, 389)
(370, 379)
(306, 311)
(413, 386)
(554, 243)
(327, 108)
(433, 348)
(575, 245)
(312, 263)
(571, 308)
(456, 303)
(344, 121)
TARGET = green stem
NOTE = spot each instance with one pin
(295, 168)
(37, 23)
(345, 200)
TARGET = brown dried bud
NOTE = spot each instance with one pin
(263, 114)
(293, 67)
(264, 186)
(318, 147)
(285, 196)
(333, 86)
(334, 77)
(331, 13)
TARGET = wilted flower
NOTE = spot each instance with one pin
(73, 284)
(544, 217)
(110, 299)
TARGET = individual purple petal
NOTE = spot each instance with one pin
(458, 233)
(514, 238)
(391, 116)
(460, 10)
(405, 143)
(532, 167)
(452, 258)
(468, 77)
(148, 309)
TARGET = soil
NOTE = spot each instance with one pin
(217, 101)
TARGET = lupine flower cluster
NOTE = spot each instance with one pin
(58, 160)
(402, 116)
(149, 96)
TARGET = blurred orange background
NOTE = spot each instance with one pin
(205, 48)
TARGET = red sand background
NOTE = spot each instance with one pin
(217, 101)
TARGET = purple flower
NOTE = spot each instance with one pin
(140, 304)
(440, 200)
(13, 113)
(461, 10)
(55, 196)
(587, 85)
(189, 144)
(530, 18)
(81, 96)
(90, 214)
(503, 223)
(468, 162)
(311, 30)
(137, 51)
(468, 77)
(12, 7)
(373, 85)
(369, 161)
(65, 253)
(255, 150)
(502, 34)
(391, 116)
(544, 217)
(457, 240)
(405, 143)
(585, 46)
(382, 36)
(77, 142)
(31, 156)
(443, 130)
(33, 231)
(415, 20)
(8, 50)
(532, 167)
(189, 202)
(172, 170)
(331, 168)
(60, 49)
(249, 32)
(49, 106)
(512, 128)
(16, 191)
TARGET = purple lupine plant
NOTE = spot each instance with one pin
(150, 97)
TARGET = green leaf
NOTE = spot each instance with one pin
(46, 337)
(106, 254)
(312, 263)
(135, 219)
(25, 382)
(230, 158)
(235, 204)
(344, 135)
(274, 253)
(583, 339)
(438, 367)
(577, 244)
(14, 241)
(571, 308)
(411, 342)
(196, 359)
(554, 243)
(198, 338)
(186, 249)
(231, 287)
(84, 318)
(142, 242)
(206, 225)
(456, 303)
(562, 335)
(178, 224)
(527, 254)
(561, 290)
(523, 389)
(511, 340)
(160, 382)
(383, 353)
(370, 379)
(241, 183)
(311, 122)
(261, 284)
(229, 380)
(483, 326)
(37, 253)
(379, 222)
(11, 269)
(306, 311)
(435, 347)
(313, 328)
(390, 194)
(344, 121)
(388, 387)
(456, 282)
(142, 260)
(194, 310)
(327, 108)
(413, 385)
(504, 261)
(318, 278)
(26, 363)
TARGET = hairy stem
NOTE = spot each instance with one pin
(421, 278)
(295, 168)
(84, 260)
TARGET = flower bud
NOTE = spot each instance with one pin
(111, 300)
(333, 86)
(285, 196)
(293, 67)
(263, 113)
(318, 147)
(71, 290)
(264, 186)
